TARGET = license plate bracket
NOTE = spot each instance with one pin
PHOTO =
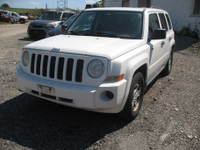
(46, 89)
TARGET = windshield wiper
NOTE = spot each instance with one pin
(106, 34)
(73, 32)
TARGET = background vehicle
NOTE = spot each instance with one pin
(61, 27)
(39, 28)
(6, 18)
(15, 16)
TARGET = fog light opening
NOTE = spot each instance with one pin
(109, 94)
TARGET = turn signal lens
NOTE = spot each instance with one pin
(115, 78)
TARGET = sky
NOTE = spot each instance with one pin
(74, 4)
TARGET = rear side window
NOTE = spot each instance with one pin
(169, 21)
(153, 24)
(163, 21)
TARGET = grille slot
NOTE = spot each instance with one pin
(38, 64)
(79, 70)
(45, 66)
(69, 72)
(55, 67)
(60, 68)
(52, 66)
(32, 63)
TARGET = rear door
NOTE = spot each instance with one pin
(156, 47)
(166, 42)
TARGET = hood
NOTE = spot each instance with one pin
(110, 48)
(24, 17)
(43, 22)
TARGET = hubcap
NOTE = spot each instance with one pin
(136, 97)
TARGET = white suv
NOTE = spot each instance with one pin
(15, 16)
(104, 61)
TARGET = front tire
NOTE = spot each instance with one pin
(22, 21)
(135, 98)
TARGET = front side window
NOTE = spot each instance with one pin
(121, 24)
(50, 16)
(13, 14)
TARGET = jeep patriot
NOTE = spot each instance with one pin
(103, 62)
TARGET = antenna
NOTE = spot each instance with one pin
(62, 4)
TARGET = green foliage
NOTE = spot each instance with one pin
(2, 23)
(37, 12)
(187, 31)
(5, 5)
(198, 50)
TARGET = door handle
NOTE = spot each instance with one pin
(162, 44)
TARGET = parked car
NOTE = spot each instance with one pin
(104, 62)
(6, 18)
(38, 29)
(61, 27)
(15, 16)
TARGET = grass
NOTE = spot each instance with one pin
(37, 12)
(2, 23)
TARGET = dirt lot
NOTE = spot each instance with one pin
(169, 119)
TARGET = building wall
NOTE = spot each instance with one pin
(113, 3)
(181, 11)
(118, 3)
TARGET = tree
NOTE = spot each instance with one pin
(5, 5)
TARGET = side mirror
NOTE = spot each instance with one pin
(64, 19)
(158, 34)
(63, 28)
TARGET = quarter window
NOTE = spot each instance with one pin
(169, 21)
(163, 21)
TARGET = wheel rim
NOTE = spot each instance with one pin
(170, 63)
(136, 97)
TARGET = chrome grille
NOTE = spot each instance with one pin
(57, 67)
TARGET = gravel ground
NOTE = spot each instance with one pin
(169, 118)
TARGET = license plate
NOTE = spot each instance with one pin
(46, 89)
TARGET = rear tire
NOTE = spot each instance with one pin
(135, 98)
(166, 71)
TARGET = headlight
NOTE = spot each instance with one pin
(95, 68)
(25, 58)
(50, 26)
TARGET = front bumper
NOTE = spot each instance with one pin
(83, 97)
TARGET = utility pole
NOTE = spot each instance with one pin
(62, 4)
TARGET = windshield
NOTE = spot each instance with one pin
(121, 24)
(50, 16)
